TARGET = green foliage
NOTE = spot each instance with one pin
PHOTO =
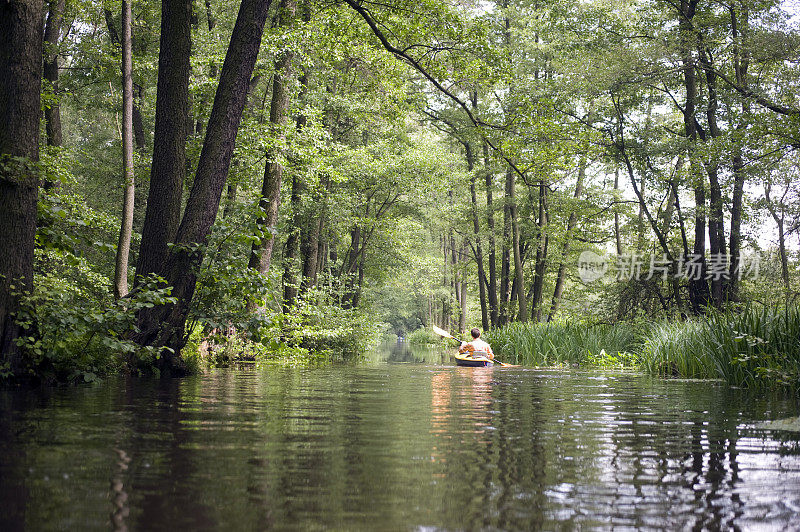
(316, 330)
(73, 338)
(319, 324)
(424, 336)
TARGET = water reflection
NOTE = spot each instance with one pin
(398, 446)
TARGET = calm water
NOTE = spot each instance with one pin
(397, 446)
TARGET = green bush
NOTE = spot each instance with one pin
(73, 338)
(424, 336)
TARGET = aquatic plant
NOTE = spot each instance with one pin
(567, 343)
(755, 347)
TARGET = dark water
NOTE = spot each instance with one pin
(397, 446)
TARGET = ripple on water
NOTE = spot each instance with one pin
(398, 447)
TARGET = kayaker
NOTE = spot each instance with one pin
(477, 347)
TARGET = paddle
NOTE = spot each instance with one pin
(442, 332)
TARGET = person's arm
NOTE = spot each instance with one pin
(465, 348)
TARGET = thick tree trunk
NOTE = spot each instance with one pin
(698, 285)
(20, 86)
(164, 325)
(168, 169)
(261, 254)
(52, 33)
(573, 220)
(716, 226)
(126, 228)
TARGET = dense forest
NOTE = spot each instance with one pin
(589, 181)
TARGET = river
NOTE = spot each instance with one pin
(407, 442)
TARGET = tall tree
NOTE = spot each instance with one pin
(126, 228)
(164, 325)
(21, 34)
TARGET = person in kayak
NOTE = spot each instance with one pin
(477, 347)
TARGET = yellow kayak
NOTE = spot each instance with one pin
(465, 359)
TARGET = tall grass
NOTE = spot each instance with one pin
(567, 343)
(756, 347)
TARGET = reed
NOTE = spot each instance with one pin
(754, 347)
(566, 343)
(757, 347)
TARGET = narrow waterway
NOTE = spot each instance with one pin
(408, 443)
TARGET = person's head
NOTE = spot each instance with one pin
(476, 333)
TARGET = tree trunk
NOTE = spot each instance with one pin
(573, 219)
(698, 287)
(519, 277)
(52, 34)
(493, 306)
(716, 226)
(779, 221)
(168, 169)
(291, 256)
(462, 319)
(20, 86)
(617, 235)
(540, 267)
(477, 231)
(261, 254)
(138, 125)
(311, 252)
(164, 325)
(126, 228)
(741, 62)
(505, 253)
(315, 246)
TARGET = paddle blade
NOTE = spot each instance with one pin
(442, 332)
